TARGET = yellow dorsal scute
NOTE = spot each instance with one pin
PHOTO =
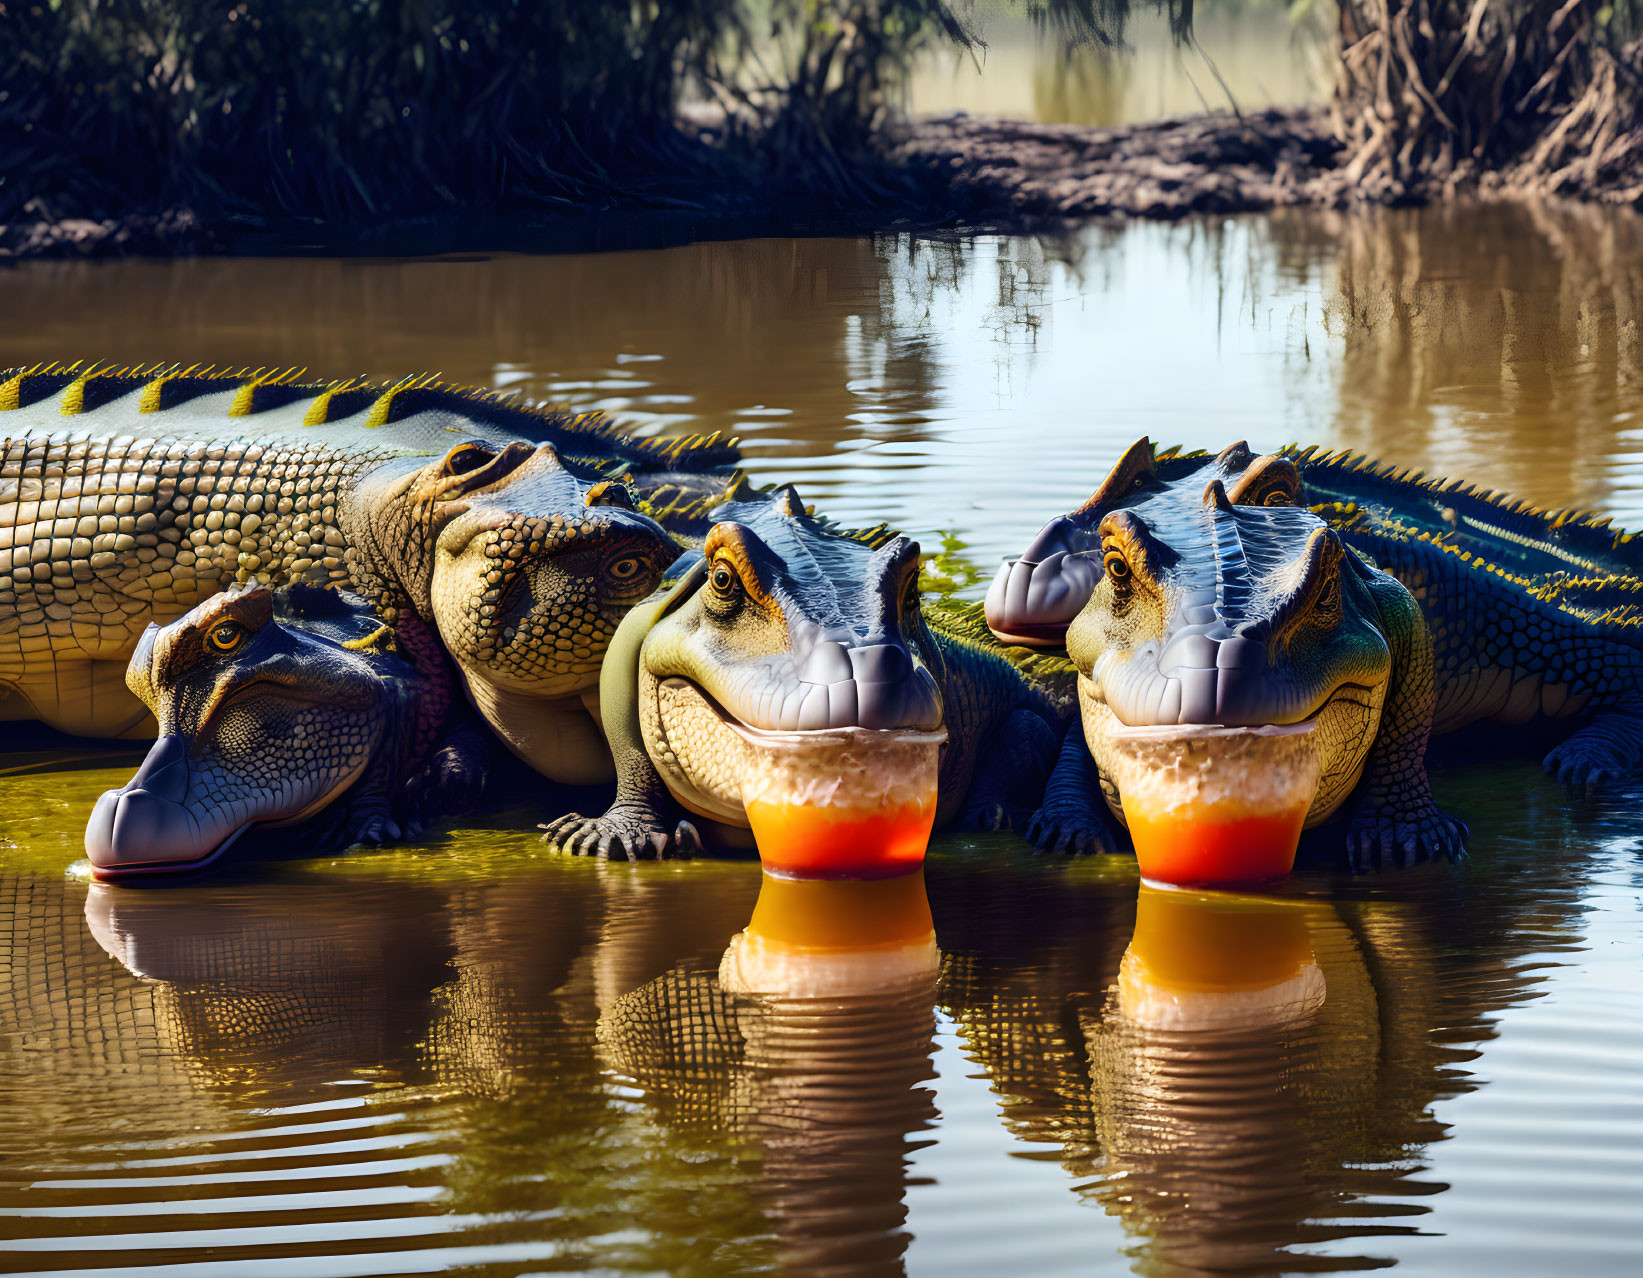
(261, 396)
(320, 411)
(74, 397)
(152, 398)
(339, 401)
(400, 400)
(174, 388)
(379, 414)
(27, 387)
(95, 389)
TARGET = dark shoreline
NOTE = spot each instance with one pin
(963, 174)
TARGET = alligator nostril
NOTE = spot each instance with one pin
(827, 663)
(879, 663)
(149, 828)
(1051, 539)
(1190, 649)
(165, 769)
(1241, 653)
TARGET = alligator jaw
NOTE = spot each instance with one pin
(110, 864)
(1032, 602)
(707, 755)
(1349, 714)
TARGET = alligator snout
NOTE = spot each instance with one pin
(1033, 601)
(145, 826)
(1212, 673)
(851, 683)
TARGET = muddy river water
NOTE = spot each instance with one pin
(473, 1055)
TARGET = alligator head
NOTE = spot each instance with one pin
(1239, 616)
(1033, 599)
(783, 626)
(525, 563)
(270, 706)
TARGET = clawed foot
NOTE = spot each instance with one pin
(369, 825)
(1580, 769)
(625, 831)
(1384, 836)
(451, 782)
(988, 815)
(1079, 833)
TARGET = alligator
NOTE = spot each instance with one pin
(505, 533)
(784, 622)
(1527, 615)
(290, 710)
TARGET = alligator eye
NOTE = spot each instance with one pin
(1278, 497)
(1116, 566)
(625, 568)
(722, 578)
(225, 636)
(909, 593)
(466, 458)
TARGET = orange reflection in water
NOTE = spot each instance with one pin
(842, 914)
(811, 937)
(1189, 945)
(838, 841)
(1215, 846)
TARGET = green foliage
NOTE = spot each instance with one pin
(950, 571)
(358, 109)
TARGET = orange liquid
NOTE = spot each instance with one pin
(838, 842)
(1193, 847)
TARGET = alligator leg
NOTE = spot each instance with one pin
(1010, 776)
(364, 815)
(451, 780)
(1075, 817)
(1605, 750)
(635, 821)
(1394, 819)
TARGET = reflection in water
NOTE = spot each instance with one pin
(812, 1044)
(1223, 1076)
(1255, 49)
(1250, 1084)
(271, 999)
(978, 386)
(1500, 344)
(673, 1068)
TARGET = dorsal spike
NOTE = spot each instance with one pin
(787, 500)
(1136, 464)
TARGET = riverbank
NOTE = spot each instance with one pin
(957, 174)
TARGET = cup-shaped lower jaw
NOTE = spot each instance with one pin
(1214, 806)
(841, 802)
(833, 938)
(138, 833)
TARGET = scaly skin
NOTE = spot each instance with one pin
(1250, 616)
(1530, 615)
(786, 624)
(466, 520)
(292, 710)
